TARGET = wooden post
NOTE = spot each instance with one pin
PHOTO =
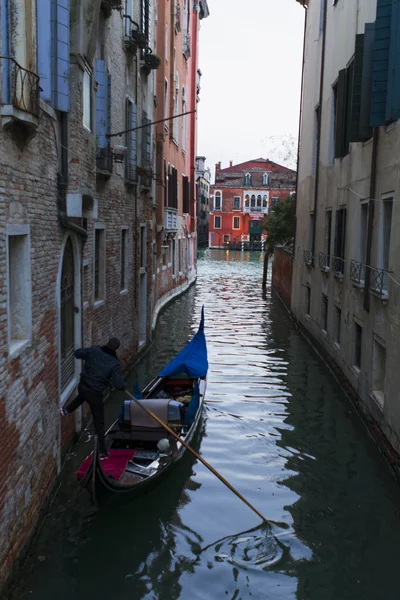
(265, 273)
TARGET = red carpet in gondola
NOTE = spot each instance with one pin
(114, 465)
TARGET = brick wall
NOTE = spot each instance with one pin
(282, 273)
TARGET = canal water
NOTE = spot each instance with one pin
(280, 429)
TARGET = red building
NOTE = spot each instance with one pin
(240, 198)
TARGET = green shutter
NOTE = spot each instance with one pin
(393, 91)
(366, 82)
(340, 124)
(381, 63)
(355, 109)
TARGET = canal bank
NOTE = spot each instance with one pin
(278, 427)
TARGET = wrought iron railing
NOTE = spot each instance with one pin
(378, 281)
(324, 261)
(308, 257)
(357, 271)
(254, 209)
(337, 265)
(104, 159)
(20, 87)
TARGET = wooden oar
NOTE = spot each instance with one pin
(205, 463)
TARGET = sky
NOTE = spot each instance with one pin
(250, 57)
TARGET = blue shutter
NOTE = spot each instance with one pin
(44, 44)
(101, 103)
(5, 51)
(133, 136)
(366, 81)
(61, 55)
(131, 140)
(393, 91)
(381, 62)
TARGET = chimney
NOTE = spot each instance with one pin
(217, 167)
(231, 163)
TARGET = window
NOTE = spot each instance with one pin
(236, 203)
(87, 100)
(99, 264)
(154, 258)
(67, 316)
(328, 236)
(53, 52)
(166, 43)
(338, 323)
(379, 371)
(131, 141)
(247, 201)
(333, 124)
(274, 201)
(227, 239)
(357, 345)
(259, 201)
(217, 201)
(166, 102)
(247, 180)
(343, 92)
(308, 300)
(143, 246)
(324, 313)
(265, 201)
(340, 241)
(217, 222)
(236, 222)
(103, 100)
(253, 201)
(180, 256)
(19, 287)
(173, 257)
(362, 246)
(124, 254)
(186, 194)
(175, 123)
(128, 12)
(315, 141)
(265, 179)
(311, 222)
(387, 206)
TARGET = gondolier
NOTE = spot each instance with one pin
(101, 369)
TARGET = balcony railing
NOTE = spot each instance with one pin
(337, 265)
(324, 261)
(104, 160)
(170, 219)
(308, 258)
(20, 87)
(357, 272)
(256, 209)
(379, 280)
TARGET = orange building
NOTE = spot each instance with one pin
(177, 87)
(240, 198)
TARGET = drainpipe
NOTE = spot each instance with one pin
(300, 119)
(371, 213)
(321, 94)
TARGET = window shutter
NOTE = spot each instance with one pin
(186, 194)
(340, 115)
(366, 82)
(131, 139)
(355, 100)
(44, 45)
(108, 106)
(393, 92)
(381, 62)
(101, 103)
(61, 58)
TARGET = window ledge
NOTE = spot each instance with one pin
(339, 276)
(378, 396)
(384, 296)
(85, 305)
(16, 347)
(69, 390)
(358, 284)
(99, 303)
(356, 371)
(123, 292)
(164, 268)
(10, 114)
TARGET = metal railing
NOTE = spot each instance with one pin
(20, 87)
(324, 261)
(254, 209)
(378, 281)
(308, 257)
(357, 271)
(337, 265)
(104, 159)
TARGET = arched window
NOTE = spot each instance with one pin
(67, 316)
(247, 179)
(265, 201)
(253, 201)
(265, 179)
(247, 201)
(259, 201)
(217, 201)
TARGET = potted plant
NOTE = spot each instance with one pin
(151, 61)
(139, 38)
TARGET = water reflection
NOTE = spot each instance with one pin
(281, 431)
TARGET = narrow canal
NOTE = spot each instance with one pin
(281, 430)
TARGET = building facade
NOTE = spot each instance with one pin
(240, 198)
(203, 182)
(346, 274)
(176, 138)
(80, 237)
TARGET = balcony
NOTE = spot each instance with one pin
(170, 219)
(256, 209)
(338, 266)
(104, 162)
(324, 262)
(357, 272)
(20, 94)
(308, 258)
(378, 281)
(186, 43)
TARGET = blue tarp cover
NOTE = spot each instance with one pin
(192, 360)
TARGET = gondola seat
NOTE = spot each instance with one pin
(134, 417)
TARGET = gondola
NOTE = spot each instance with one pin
(140, 451)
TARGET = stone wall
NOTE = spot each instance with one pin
(282, 273)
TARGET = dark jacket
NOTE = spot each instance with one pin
(102, 367)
